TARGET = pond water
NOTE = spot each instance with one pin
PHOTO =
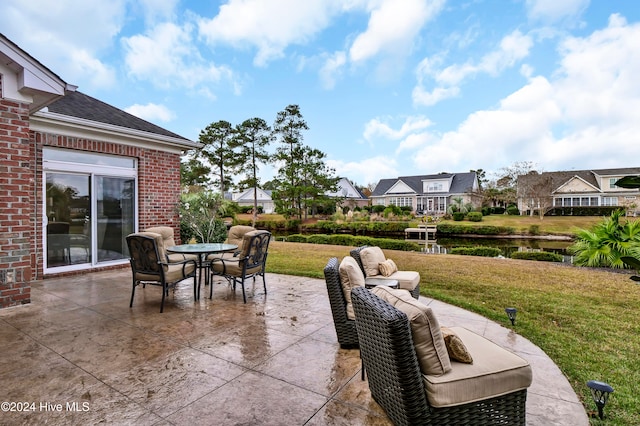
(507, 245)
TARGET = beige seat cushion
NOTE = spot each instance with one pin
(371, 257)
(425, 330)
(168, 240)
(350, 276)
(407, 280)
(495, 371)
(172, 273)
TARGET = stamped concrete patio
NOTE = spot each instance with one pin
(79, 355)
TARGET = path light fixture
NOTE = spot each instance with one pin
(600, 392)
(511, 313)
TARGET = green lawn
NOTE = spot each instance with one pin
(586, 320)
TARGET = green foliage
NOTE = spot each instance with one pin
(458, 216)
(200, 215)
(474, 216)
(447, 228)
(606, 242)
(545, 256)
(297, 238)
(354, 241)
(378, 208)
(513, 211)
(318, 239)
(477, 251)
(534, 230)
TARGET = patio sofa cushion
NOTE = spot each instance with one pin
(387, 267)
(455, 346)
(350, 276)
(495, 372)
(372, 256)
(425, 330)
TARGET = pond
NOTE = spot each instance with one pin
(507, 245)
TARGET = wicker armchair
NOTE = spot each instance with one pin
(399, 276)
(395, 379)
(345, 327)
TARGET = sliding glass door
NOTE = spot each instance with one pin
(90, 207)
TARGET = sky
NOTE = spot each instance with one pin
(388, 88)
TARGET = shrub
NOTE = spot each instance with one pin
(545, 256)
(534, 230)
(450, 228)
(513, 211)
(297, 238)
(378, 208)
(477, 251)
(341, 239)
(474, 216)
(497, 210)
(457, 216)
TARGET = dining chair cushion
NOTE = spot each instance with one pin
(172, 273)
(494, 372)
(236, 233)
(168, 240)
(350, 276)
(371, 257)
(425, 330)
(232, 266)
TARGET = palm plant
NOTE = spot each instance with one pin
(607, 242)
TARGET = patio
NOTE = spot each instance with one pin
(82, 356)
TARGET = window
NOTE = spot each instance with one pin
(401, 201)
(434, 186)
(612, 183)
(609, 201)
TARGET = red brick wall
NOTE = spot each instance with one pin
(158, 181)
(16, 213)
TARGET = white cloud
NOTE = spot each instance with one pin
(583, 117)
(365, 171)
(166, 56)
(376, 128)
(332, 68)
(268, 26)
(555, 10)
(67, 35)
(151, 112)
(513, 48)
(393, 27)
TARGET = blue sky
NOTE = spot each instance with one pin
(388, 87)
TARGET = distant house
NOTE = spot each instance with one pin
(577, 188)
(428, 194)
(349, 195)
(77, 176)
(246, 198)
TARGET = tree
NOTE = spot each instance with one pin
(607, 242)
(193, 172)
(287, 130)
(218, 152)
(250, 140)
(535, 191)
(316, 180)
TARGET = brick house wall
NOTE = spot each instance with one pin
(17, 217)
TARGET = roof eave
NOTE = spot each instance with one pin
(51, 122)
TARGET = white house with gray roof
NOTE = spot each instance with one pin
(428, 194)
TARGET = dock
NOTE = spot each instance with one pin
(421, 233)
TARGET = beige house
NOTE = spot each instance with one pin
(577, 188)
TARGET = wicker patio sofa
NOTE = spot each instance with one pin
(345, 327)
(408, 280)
(491, 391)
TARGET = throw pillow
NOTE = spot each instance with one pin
(455, 347)
(350, 276)
(425, 330)
(371, 257)
(387, 267)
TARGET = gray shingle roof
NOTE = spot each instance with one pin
(461, 183)
(77, 104)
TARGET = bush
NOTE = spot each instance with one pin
(378, 208)
(457, 216)
(477, 251)
(513, 211)
(318, 239)
(474, 216)
(545, 256)
(450, 228)
(297, 238)
(497, 210)
(534, 230)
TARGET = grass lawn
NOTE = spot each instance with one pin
(586, 320)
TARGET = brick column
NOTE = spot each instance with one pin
(17, 212)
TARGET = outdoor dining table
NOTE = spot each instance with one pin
(202, 250)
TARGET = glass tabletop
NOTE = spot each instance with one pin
(202, 248)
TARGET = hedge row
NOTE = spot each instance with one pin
(355, 241)
(450, 228)
(545, 256)
(477, 251)
(331, 227)
(291, 225)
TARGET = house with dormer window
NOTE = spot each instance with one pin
(428, 194)
(578, 188)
